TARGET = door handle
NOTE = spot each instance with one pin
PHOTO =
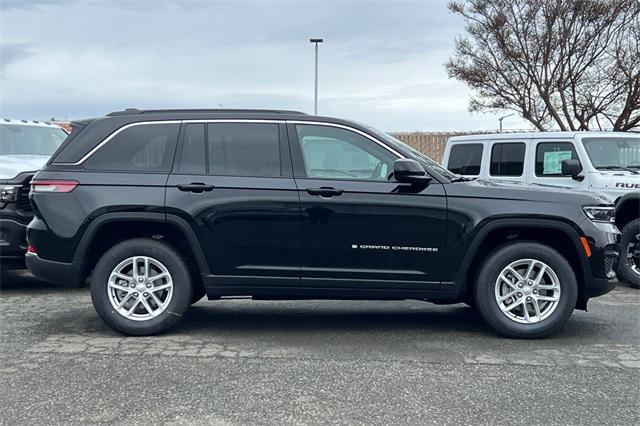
(325, 191)
(196, 187)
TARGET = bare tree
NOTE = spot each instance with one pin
(570, 64)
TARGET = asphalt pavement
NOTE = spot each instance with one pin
(312, 362)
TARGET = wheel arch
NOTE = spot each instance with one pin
(560, 235)
(118, 226)
(627, 208)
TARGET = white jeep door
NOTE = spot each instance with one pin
(546, 167)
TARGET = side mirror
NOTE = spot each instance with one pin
(410, 171)
(571, 168)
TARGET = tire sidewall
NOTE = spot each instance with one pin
(629, 231)
(165, 254)
(485, 290)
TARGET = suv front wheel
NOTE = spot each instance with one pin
(141, 286)
(526, 290)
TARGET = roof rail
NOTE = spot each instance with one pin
(134, 111)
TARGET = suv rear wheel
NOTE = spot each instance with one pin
(141, 286)
(526, 290)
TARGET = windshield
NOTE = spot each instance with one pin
(16, 139)
(612, 153)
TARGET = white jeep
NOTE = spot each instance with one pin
(607, 163)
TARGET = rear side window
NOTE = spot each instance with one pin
(465, 159)
(140, 148)
(549, 157)
(507, 159)
(244, 149)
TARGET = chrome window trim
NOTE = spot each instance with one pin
(227, 120)
(113, 135)
(345, 127)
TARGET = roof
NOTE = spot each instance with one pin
(531, 135)
(135, 111)
(34, 123)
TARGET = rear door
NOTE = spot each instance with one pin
(361, 229)
(232, 181)
(507, 160)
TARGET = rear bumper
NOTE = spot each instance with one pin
(64, 274)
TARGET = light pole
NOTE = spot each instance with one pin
(502, 118)
(316, 41)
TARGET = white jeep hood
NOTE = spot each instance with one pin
(13, 165)
(620, 181)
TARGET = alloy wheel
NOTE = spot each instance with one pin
(527, 291)
(140, 288)
(633, 254)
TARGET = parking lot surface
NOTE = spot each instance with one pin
(310, 362)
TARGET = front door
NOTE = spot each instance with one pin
(232, 181)
(359, 227)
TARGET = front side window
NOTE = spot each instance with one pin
(334, 153)
(244, 149)
(140, 148)
(465, 159)
(16, 139)
(613, 153)
(549, 157)
(507, 159)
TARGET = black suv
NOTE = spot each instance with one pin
(163, 207)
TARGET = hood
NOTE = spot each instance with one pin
(533, 192)
(622, 182)
(13, 165)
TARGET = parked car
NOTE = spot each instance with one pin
(604, 163)
(163, 207)
(25, 146)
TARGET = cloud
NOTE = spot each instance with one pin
(381, 62)
(11, 53)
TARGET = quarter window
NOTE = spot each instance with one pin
(334, 153)
(507, 159)
(140, 148)
(244, 149)
(549, 157)
(465, 159)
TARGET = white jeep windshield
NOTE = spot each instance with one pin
(613, 153)
(16, 139)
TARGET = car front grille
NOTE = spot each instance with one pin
(22, 203)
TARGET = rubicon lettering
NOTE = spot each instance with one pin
(395, 248)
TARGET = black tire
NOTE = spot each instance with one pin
(625, 271)
(172, 261)
(484, 290)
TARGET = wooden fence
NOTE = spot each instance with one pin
(430, 143)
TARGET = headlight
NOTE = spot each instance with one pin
(600, 214)
(9, 193)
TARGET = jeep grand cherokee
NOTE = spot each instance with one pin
(162, 207)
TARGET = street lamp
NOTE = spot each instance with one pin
(316, 41)
(502, 118)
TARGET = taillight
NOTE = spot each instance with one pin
(31, 249)
(53, 185)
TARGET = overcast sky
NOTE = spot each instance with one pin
(381, 63)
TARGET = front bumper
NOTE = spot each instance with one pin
(604, 241)
(13, 243)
